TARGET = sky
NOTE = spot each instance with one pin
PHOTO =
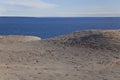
(60, 8)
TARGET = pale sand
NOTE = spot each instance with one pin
(81, 55)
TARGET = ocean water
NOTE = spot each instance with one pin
(51, 27)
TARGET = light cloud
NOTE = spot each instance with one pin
(24, 7)
(39, 4)
(2, 10)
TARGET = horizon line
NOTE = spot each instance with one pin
(60, 16)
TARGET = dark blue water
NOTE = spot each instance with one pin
(50, 27)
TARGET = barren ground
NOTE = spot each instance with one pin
(81, 55)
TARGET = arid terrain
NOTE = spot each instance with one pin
(81, 55)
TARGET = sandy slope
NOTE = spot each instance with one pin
(82, 55)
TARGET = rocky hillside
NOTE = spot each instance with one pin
(105, 39)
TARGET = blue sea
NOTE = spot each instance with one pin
(54, 26)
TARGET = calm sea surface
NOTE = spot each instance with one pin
(50, 27)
